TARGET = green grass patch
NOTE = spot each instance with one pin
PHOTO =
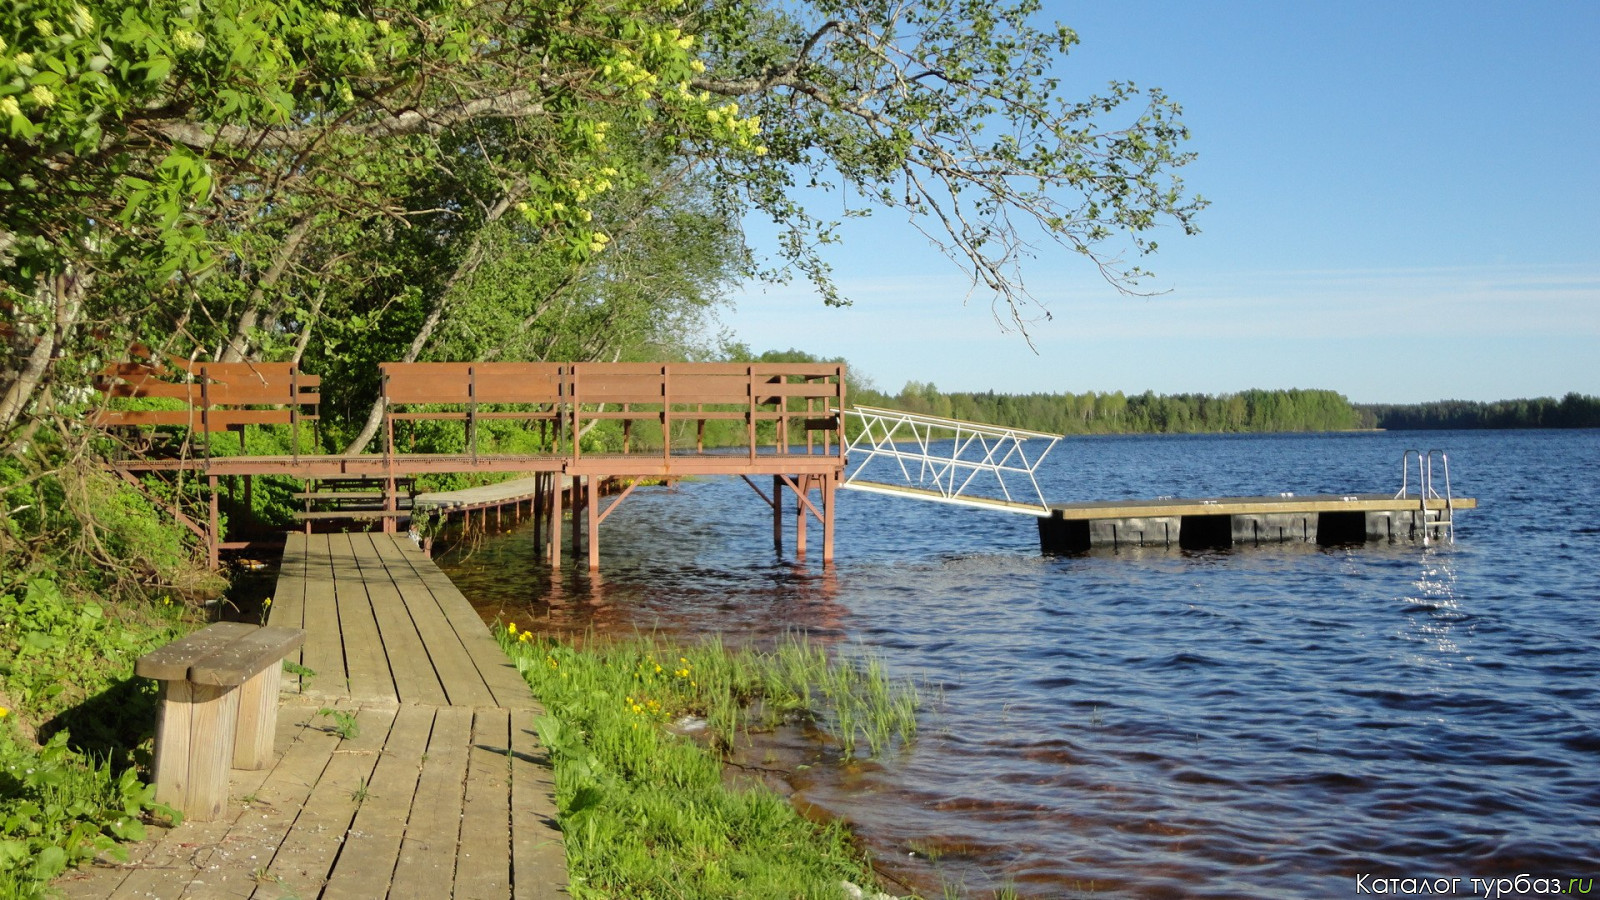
(57, 811)
(67, 662)
(645, 812)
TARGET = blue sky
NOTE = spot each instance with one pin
(1405, 199)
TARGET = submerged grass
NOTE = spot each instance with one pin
(645, 812)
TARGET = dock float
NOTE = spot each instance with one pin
(1220, 522)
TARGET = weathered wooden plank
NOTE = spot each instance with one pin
(236, 865)
(414, 677)
(495, 669)
(172, 661)
(243, 657)
(303, 862)
(324, 652)
(483, 867)
(288, 601)
(370, 677)
(1216, 506)
(427, 863)
(458, 674)
(164, 864)
(168, 869)
(538, 856)
(516, 488)
(372, 847)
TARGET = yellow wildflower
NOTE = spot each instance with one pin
(511, 628)
(4, 712)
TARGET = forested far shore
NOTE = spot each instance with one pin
(1256, 410)
(1572, 411)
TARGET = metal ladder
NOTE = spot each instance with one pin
(1446, 520)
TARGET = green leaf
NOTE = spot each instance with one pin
(50, 862)
(157, 69)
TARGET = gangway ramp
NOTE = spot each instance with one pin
(904, 454)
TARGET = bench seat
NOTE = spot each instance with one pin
(219, 709)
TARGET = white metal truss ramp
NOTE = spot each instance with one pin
(905, 455)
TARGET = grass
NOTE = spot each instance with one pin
(344, 723)
(644, 811)
(58, 810)
(67, 662)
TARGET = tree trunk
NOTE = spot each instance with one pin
(238, 348)
(469, 263)
(66, 292)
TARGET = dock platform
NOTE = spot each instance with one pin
(440, 788)
(1214, 522)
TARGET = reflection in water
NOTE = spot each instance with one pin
(1266, 722)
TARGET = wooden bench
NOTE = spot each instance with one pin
(219, 709)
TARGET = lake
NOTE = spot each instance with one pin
(1260, 722)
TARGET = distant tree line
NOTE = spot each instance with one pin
(1572, 411)
(1115, 412)
(1254, 410)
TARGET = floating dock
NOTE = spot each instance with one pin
(1220, 522)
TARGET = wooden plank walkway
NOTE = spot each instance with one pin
(1220, 506)
(517, 489)
(443, 791)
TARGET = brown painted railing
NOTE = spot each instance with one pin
(799, 398)
(216, 396)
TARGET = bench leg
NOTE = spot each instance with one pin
(258, 719)
(194, 747)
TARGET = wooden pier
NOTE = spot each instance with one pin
(1219, 522)
(407, 763)
(786, 415)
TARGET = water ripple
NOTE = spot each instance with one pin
(1261, 723)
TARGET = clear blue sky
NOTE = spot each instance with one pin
(1405, 200)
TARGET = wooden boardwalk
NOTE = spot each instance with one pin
(442, 791)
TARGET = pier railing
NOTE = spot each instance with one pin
(571, 398)
(980, 457)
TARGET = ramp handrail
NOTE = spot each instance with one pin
(976, 448)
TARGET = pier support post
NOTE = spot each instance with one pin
(802, 489)
(777, 514)
(593, 503)
(828, 486)
(555, 523)
(213, 538)
(576, 485)
(540, 482)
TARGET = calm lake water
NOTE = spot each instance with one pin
(1265, 722)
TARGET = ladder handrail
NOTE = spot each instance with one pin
(1426, 491)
